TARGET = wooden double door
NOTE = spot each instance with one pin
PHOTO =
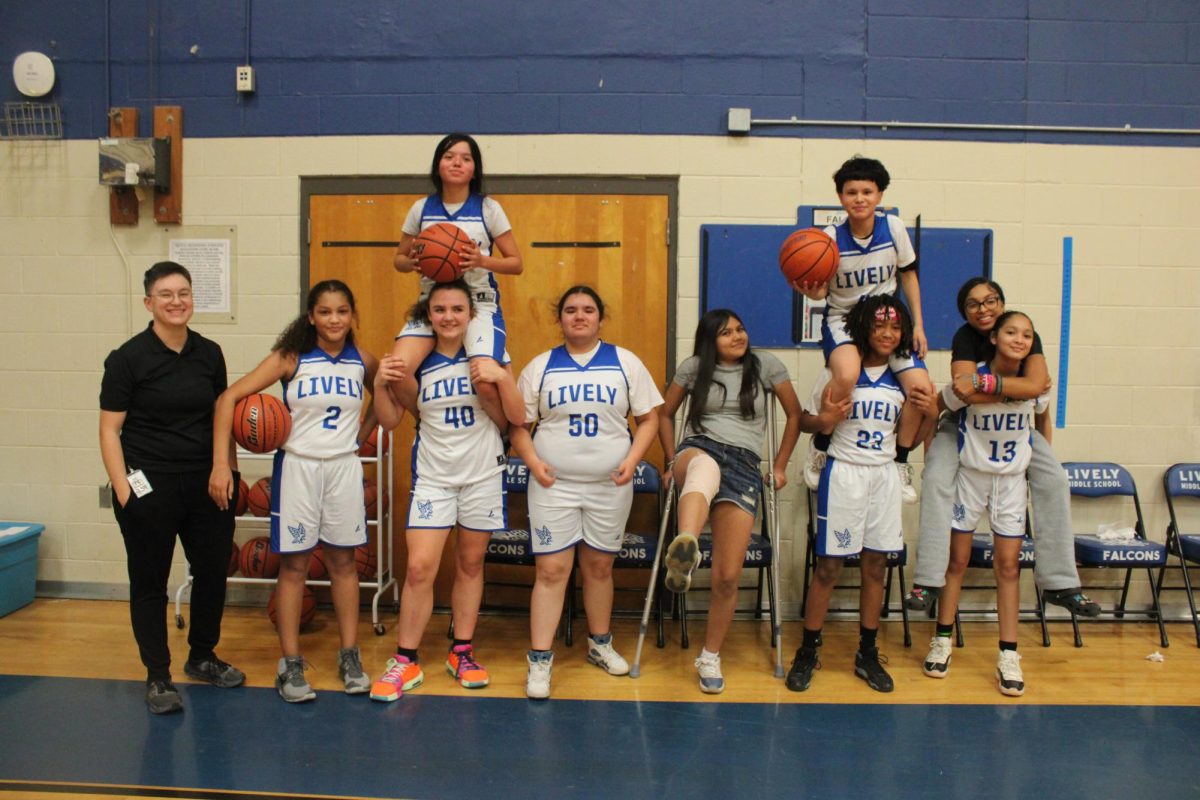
(615, 243)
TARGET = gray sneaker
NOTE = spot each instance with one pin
(162, 698)
(351, 672)
(290, 682)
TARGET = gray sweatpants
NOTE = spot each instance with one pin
(1052, 532)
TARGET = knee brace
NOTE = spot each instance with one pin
(703, 477)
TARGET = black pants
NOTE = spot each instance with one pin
(178, 505)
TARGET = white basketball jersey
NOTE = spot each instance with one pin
(325, 397)
(470, 219)
(868, 436)
(997, 437)
(456, 442)
(582, 427)
(871, 268)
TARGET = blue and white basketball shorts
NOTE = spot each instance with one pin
(486, 335)
(1004, 495)
(316, 500)
(595, 512)
(833, 335)
(479, 506)
(858, 508)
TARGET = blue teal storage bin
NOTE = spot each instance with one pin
(18, 565)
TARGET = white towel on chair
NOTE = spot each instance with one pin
(1115, 532)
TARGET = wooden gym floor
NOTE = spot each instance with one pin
(1130, 720)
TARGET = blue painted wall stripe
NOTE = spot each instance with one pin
(1064, 335)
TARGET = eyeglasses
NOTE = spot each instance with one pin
(166, 297)
(987, 304)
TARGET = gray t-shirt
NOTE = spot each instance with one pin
(723, 421)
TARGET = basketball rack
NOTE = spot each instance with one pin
(382, 524)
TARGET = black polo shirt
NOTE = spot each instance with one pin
(971, 345)
(167, 398)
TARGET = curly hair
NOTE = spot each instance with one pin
(861, 168)
(301, 335)
(860, 321)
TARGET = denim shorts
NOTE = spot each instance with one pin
(741, 480)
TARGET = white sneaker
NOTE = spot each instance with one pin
(908, 492)
(1008, 673)
(606, 657)
(813, 467)
(709, 667)
(537, 683)
(938, 660)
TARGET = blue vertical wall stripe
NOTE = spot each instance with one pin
(1064, 335)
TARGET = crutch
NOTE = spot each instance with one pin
(636, 670)
(773, 524)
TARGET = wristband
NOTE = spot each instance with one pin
(999, 384)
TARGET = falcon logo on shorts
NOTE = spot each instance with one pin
(843, 538)
(425, 509)
(544, 537)
(297, 533)
(960, 513)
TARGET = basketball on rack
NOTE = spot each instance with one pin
(370, 445)
(257, 560)
(243, 498)
(234, 559)
(808, 256)
(364, 560)
(308, 608)
(437, 250)
(258, 499)
(317, 571)
(261, 423)
(370, 495)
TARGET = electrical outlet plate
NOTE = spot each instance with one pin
(245, 79)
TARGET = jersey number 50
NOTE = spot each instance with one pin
(583, 425)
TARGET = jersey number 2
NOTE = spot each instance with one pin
(331, 418)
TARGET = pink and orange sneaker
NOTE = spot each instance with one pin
(461, 663)
(400, 676)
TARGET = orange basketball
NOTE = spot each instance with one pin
(370, 494)
(243, 498)
(370, 446)
(317, 571)
(808, 256)
(257, 560)
(234, 559)
(258, 499)
(437, 250)
(364, 560)
(261, 423)
(308, 607)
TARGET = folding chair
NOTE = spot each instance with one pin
(760, 555)
(895, 567)
(512, 548)
(1180, 481)
(1103, 479)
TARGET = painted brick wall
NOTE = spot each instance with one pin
(415, 67)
